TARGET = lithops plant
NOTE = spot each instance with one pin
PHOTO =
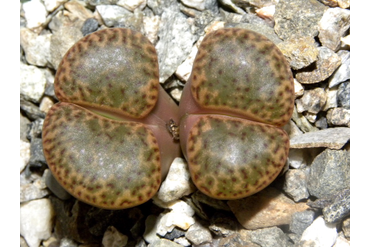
(107, 142)
(238, 97)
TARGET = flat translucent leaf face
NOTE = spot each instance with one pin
(106, 163)
(241, 72)
(107, 66)
(231, 158)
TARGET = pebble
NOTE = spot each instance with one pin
(184, 70)
(182, 241)
(312, 101)
(321, 123)
(330, 173)
(300, 221)
(300, 52)
(343, 95)
(326, 64)
(332, 26)
(297, 18)
(196, 4)
(181, 215)
(51, 5)
(33, 190)
(164, 243)
(339, 116)
(343, 72)
(198, 234)
(339, 209)
(298, 88)
(151, 27)
(37, 154)
(31, 110)
(132, 4)
(331, 100)
(334, 138)
(113, 238)
(319, 233)
(25, 153)
(270, 237)
(35, 13)
(344, 3)
(36, 47)
(24, 121)
(35, 129)
(295, 184)
(302, 123)
(89, 26)
(36, 221)
(46, 103)
(232, 6)
(32, 82)
(267, 208)
(65, 34)
(113, 15)
(296, 158)
(346, 227)
(341, 242)
(151, 223)
(177, 183)
(175, 42)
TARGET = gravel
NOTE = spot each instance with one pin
(312, 198)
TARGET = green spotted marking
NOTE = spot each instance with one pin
(231, 158)
(106, 163)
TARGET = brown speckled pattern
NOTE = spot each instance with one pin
(241, 71)
(106, 163)
(113, 69)
(231, 158)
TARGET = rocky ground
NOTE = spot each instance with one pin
(308, 205)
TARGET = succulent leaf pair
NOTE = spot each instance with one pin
(111, 139)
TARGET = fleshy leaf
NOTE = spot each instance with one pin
(106, 163)
(231, 158)
(241, 72)
(107, 66)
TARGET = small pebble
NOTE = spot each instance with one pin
(343, 72)
(113, 238)
(339, 209)
(35, 13)
(270, 237)
(36, 221)
(32, 82)
(25, 154)
(339, 117)
(89, 26)
(132, 4)
(51, 5)
(346, 227)
(113, 15)
(341, 242)
(295, 184)
(36, 47)
(319, 233)
(196, 4)
(164, 243)
(198, 234)
(300, 221)
(312, 101)
(46, 103)
(343, 95)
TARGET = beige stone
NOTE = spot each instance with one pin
(270, 207)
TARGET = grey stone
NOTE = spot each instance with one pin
(339, 116)
(35, 129)
(334, 138)
(65, 34)
(297, 18)
(343, 95)
(300, 52)
(37, 154)
(31, 190)
(239, 238)
(101, 2)
(113, 15)
(331, 100)
(302, 123)
(346, 227)
(270, 237)
(327, 62)
(312, 101)
(32, 82)
(36, 47)
(159, 6)
(321, 123)
(198, 234)
(228, 4)
(31, 110)
(300, 221)
(295, 184)
(259, 27)
(343, 72)
(164, 243)
(175, 42)
(330, 173)
(332, 26)
(175, 233)
(339, 209)
(89, 26)
(23, 127)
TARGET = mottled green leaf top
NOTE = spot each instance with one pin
(242, 72)
(111, 69)
(231, 158)
(106, 163)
